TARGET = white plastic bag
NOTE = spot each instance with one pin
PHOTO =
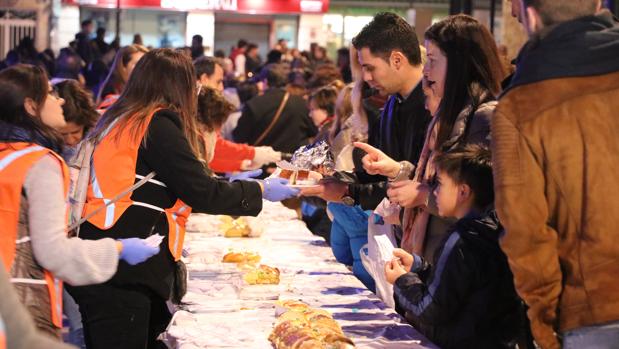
(374, 258)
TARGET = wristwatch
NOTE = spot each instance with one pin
(406, 168)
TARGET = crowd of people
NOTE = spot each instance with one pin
(495, 180)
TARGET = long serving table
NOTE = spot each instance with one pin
(222, 312)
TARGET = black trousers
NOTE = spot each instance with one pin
(121, 318)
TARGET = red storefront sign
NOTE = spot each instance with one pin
(242, 6)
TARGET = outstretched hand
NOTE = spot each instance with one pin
(375, 162)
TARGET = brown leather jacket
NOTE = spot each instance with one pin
(555, 145)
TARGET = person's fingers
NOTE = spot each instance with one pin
(366, 148)
(313, 191)
(366, 160)
(400, 253)
(388, 267)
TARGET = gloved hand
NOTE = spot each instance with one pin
(276, 189)
(136, 251)
(245, 175)
(265, 155)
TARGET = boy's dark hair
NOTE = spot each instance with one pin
(388, 32)
(554, 12)
(241, 43)
(205, 65)
(470, 165)
(86, 22)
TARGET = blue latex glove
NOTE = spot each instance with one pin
(245, 175)
(135, 251)
(276, 189)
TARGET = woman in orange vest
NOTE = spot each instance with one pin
(152, 128)
(34, 182)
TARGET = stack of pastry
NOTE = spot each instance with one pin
(296, 176)
(303, 327)
(262, 275)
(235, 228)
(241, 258)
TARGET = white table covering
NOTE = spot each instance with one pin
(224, 313)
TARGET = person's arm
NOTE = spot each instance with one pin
(76, 261)
(239, 63)
(244, 131)
(232, 150)
(229, 156)
(529, 242)
(222, 165)
(168, 153)
(448, 288)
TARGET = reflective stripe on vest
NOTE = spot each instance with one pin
(17, 154)
(177, 218)
(113, 170)
(2, 334)
(16, 159)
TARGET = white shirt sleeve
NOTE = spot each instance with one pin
(76, 261)
(239, 63)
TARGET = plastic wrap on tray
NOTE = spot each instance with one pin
(315, 157)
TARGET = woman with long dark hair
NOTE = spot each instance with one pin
(124, 62)
(464, 71)
(34, 182)
(152, 130)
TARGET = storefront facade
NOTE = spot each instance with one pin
(172, 23)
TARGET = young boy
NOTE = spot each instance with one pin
(466, 297)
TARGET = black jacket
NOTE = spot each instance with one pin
(466, 299)
(293, 129)
(167, 153)
(400, 133)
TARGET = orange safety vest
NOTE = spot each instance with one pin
(113, 171)
(16, 159)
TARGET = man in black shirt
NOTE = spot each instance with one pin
(389, 53)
